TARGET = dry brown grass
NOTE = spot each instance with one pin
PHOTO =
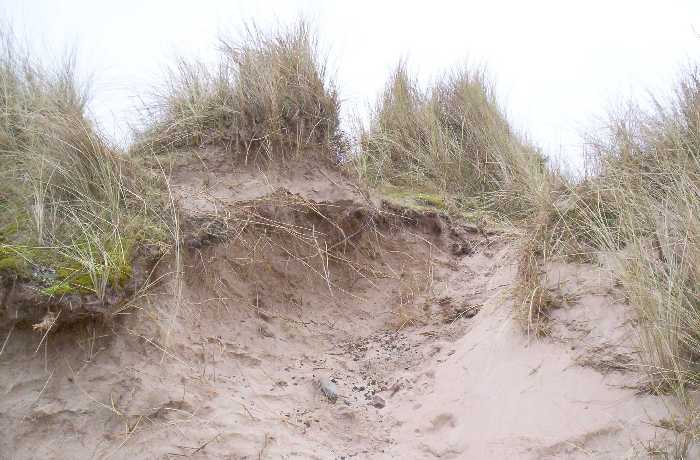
(650, 174)
(640, 215)
(269, 98)
(452, 138)
(532, 300)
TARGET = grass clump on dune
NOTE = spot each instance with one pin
(268, 98)
(452, 138)
(650, 169)
(639, 215)
(74, 211)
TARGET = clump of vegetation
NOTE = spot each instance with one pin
(453, 140)
(451, 137)
(650, 163)
(639, 215)
(268, 98)
(74, 211)
(412, 198)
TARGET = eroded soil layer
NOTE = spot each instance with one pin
(311, 321)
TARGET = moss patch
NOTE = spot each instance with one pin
(14, 262)
(427, 199)
(111, 266)
(471, 209)
(81, 268)
(14, 265)
(413, 199)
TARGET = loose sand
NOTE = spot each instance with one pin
(415, 338)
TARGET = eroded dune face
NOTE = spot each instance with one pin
(312, 321)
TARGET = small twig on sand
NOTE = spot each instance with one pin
(266, 442)
(194, 449)
(46, 325)
(203, 445)
(7, 339)
(250, 414)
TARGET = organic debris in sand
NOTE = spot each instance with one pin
(270, 334)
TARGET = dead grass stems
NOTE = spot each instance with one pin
(269, 99)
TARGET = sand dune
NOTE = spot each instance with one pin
(416, 338)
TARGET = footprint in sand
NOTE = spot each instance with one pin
(441, 422)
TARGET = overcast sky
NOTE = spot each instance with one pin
(558, 64)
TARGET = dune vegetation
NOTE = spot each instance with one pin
(451, 146)
(76, 211)
(269, 96)
(452, 139)
(638, 215)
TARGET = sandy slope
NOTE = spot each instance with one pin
(228, 371)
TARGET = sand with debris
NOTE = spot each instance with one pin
(313, 321)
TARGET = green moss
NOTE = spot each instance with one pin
(430, 200)
(121, 268)
(63, 288)
(74, 277)
(7, 232)
(14, 229)
(13, 261)
(71, 274)
(414, 199)
(83, 264)
(14, 264)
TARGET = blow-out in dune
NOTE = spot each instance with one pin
(249, 280)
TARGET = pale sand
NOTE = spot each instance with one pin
(232, 376)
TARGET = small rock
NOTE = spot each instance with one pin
(471, 311)
(461, 249)
(327, 388)
(378, 402)
(45, 276)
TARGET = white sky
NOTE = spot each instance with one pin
(557, 64)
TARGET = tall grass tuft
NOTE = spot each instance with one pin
(649, 178)
(74, 211)
(269, 98)
(639, 215)
(452, 137)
